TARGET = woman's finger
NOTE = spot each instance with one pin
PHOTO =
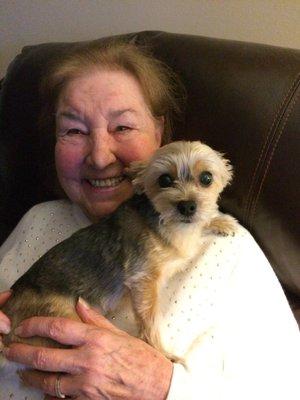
(92, 316)
(47, 382)
(44, 359)
(4, 296)
(4, 320)
(4, 323)
(65, 330)
(62, 330)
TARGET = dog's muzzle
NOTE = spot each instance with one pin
(187, 208)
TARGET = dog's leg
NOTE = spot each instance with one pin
(144, 296)
(223, 224)
(29, 304)
(145, 304)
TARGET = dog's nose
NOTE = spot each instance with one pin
(187, 208)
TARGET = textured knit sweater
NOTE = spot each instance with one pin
(226, 315)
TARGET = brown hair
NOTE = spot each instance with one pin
(162, 89)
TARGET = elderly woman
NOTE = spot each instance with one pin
(113, 104)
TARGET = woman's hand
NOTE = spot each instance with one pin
(104, 362)
(4, 320)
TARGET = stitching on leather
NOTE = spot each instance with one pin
(255, 173)
(270, 158)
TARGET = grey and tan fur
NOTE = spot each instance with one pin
(137, 248)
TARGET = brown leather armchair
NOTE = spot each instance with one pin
(243, 99)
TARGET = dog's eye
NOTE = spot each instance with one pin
(165, 180)
(206, 178)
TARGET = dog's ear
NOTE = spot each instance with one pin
(227, 172)
(136, 172)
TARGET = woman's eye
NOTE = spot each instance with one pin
(122, 128)
(74, 131)
(206, 178)
(165, 180)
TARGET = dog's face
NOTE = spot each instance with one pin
(183, 181)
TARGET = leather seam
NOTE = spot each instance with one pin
(255, 200)
(263, 153)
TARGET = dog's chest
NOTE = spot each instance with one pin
(185, 239)
(177, 262)
(183, 252)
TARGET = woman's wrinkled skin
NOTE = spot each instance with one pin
(104, 363)
(102, 124)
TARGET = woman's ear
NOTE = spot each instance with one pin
(136, 173)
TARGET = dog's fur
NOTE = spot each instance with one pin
(137, 248)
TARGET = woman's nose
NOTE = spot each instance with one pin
(101, 151)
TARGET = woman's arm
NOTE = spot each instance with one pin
(262, 339)
(250, 349)
(104, 361)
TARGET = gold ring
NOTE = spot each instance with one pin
(58, 392)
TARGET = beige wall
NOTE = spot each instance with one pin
(24, 22)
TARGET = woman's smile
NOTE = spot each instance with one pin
(104, 188)
(106, 183)
(103, 124)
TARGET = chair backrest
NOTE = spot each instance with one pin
(243, 100)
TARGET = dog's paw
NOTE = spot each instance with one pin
(223, 225)
(174, 358)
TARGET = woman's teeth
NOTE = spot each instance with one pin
(103, 183)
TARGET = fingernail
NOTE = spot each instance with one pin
(18, 330)
(84, 303)
(5, 328)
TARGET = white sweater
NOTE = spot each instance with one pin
(227, 315)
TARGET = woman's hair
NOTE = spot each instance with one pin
(162, 89)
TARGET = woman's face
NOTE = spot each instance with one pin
(102, 124)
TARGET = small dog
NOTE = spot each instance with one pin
(137, 248)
